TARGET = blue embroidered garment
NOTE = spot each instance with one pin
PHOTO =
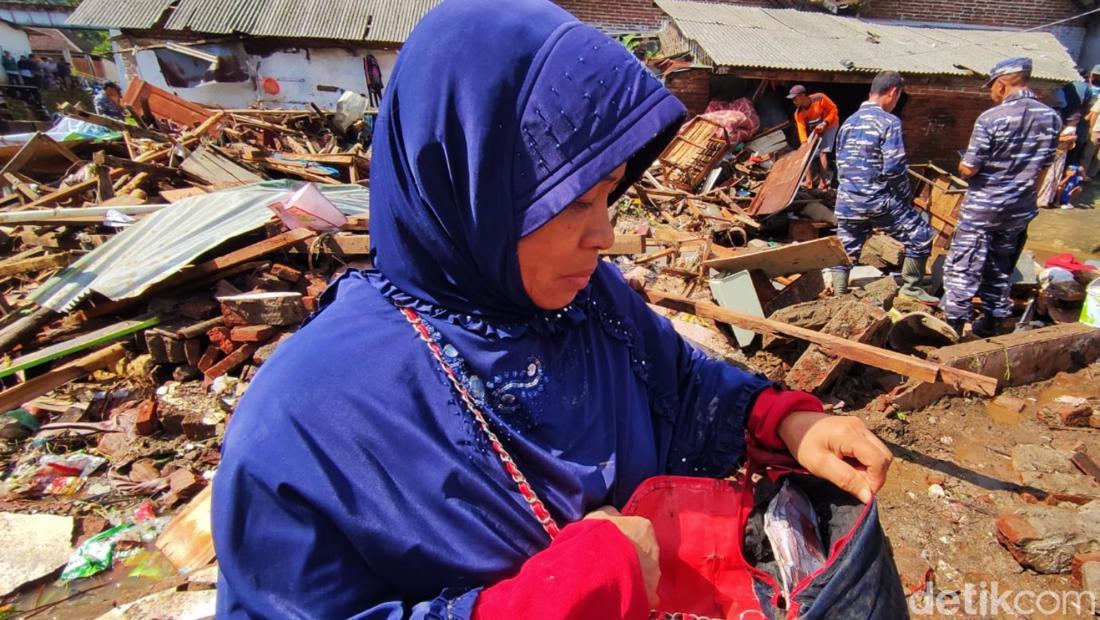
(353, 483)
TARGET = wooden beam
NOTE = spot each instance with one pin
(103, 190)
(38, 263)
(787, 259)
(16, 396)
(905, 365)
(626, 244)
(74, 345)
(67, 109)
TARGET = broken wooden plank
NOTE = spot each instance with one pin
(104, 190)
(176, 195)
(188, 541)
(76, 111)
(216, 170)
(781, 186)
(16, 396)
(905, 365)
(87, 341)
(10, 268)
(626, 244)
(787, 259)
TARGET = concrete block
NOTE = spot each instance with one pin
(817, 369)
(263, 309)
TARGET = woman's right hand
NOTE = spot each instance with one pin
(641, 534)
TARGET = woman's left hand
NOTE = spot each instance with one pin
(839, 449)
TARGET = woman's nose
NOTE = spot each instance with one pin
(599, 233)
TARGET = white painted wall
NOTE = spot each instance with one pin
(299, 72)
(14, 40)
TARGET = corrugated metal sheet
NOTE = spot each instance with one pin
(382, 21)
(747, 37)
(116, 14)
(163, 243)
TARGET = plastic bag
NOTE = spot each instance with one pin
(791, 526)
(65, 475)
(94, 555)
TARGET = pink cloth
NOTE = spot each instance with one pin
(738, 117)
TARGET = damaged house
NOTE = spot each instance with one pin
(736, 51)
(271, 53)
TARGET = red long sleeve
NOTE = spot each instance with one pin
(590, 571)
(772, 405)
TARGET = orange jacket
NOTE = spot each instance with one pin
(821, 107)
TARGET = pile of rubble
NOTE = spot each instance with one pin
(152, 268)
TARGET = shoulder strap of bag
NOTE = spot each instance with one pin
(525, 489)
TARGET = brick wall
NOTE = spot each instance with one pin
(937, 122)
(691, 87)
(1000, 13)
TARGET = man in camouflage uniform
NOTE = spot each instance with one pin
(1011, 145)
(874, 189)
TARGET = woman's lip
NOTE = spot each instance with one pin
(578, 280)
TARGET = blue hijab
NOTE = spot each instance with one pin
(353, 483)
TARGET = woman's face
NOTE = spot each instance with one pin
(557, 260)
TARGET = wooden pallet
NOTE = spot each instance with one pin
(693, 153)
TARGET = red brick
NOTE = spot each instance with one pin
(219, 337)
(285, 272)
(147, 422)
(231, 361)
(208, 358)
(1079, 562)
(253, 333)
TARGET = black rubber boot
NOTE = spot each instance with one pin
(840, 283)
(957, 325)
(984, 327)
(912, 273)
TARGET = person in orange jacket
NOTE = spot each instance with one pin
(816, 112)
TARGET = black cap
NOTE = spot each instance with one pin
(885, 80)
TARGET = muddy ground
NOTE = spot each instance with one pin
(966, 446)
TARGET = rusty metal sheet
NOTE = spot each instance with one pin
(779, 189)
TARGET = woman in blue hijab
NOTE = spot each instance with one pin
(412, 450)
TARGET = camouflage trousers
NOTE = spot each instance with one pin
(980, 263)
(899, 220)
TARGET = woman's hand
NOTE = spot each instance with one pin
(640, 532)
(839, 449)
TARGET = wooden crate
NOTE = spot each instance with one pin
(693, 153)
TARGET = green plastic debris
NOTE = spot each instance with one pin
(95, 555)
(25, 418)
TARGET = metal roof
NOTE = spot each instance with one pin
(748, 37)
(383, 21)
(108, 14)
(161, 244)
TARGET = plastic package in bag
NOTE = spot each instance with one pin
(791, 526)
